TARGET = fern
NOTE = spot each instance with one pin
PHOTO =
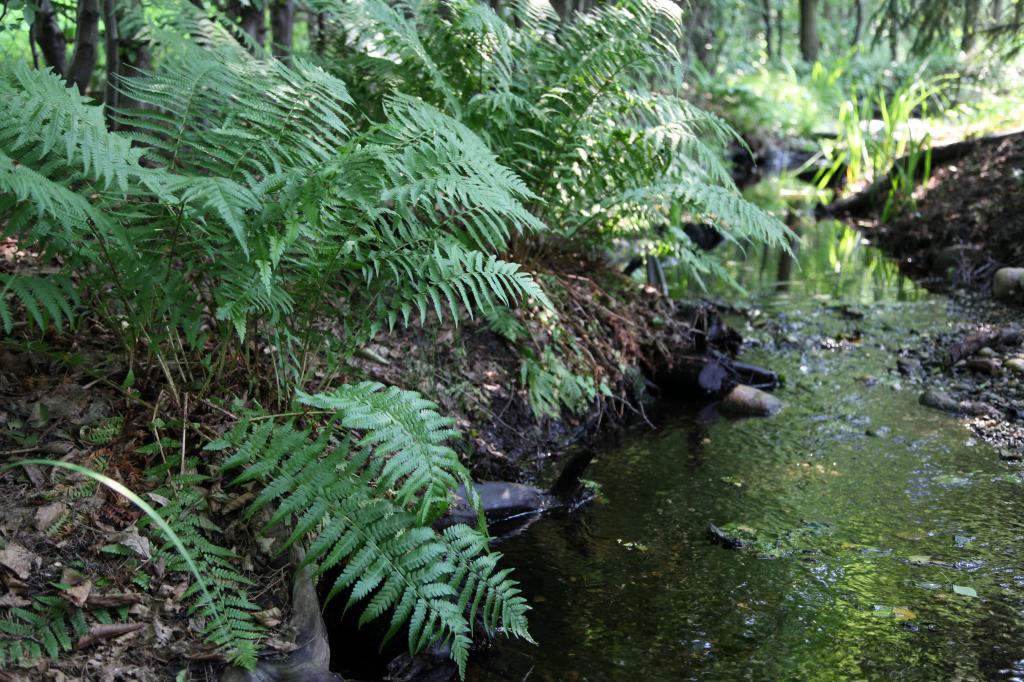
(46, 300)
(587, 112)
(223, 604)
(44, 628)
(365, 503)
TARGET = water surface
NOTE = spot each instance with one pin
(887, 540)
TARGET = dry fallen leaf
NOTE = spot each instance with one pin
(12, 600)
(268, 618)
(18, 559)
(46, 515)
(78, 594)
(135, 542)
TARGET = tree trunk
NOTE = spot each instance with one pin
(858, 27)
(282, 25)
(50, 38)
(251, 19)
(809, 30)
(113, 45)
(133, 55)
(970, 24)
(997, 11)
(87, 38)
(766, 11)
(780, 32)
(701, 33)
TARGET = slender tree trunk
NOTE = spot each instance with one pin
(113, 45)
(971, 8)
(809, 30)
(858, 27)
(997, 11)
(50, 37)
(133, 54)
(321, 32)
(251, 19)
(780, 32)
(87, 38)
(766, 11)
(282, 26)
(701, 34)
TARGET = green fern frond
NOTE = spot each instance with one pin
(44, 629)
(222, 604)
(46, 300)
(365, 507)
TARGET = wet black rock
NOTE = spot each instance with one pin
(727, 539)
(943, 401)
(910, 367)
(501, 502)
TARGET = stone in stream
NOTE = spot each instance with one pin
(939, 400)
(984, 365)
(953, 257)
(1016, 364)
(501, 502)
(749, 401)
(1007, 284)
(910, 367)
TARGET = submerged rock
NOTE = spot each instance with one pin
(953, 257)
(939, 400)
(501, 502)
(1016, 364)
(943, 401)
(984, 365)
(749, 401)
(731, 536)
(1006, 284)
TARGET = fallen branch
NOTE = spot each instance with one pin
(101, 631)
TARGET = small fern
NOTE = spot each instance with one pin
(365, 503)
(551, 385)
(44, 628)
(223, 604)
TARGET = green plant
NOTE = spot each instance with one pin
(245, 220)
(551, 385)
(223, 603)
(367, 502)
(588, 112)
(47, 624)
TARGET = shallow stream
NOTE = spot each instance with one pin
(883, 540)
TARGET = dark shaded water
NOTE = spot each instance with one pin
(888, 541)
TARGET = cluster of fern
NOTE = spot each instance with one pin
(588, 111)
(247, 223)
(369, 481)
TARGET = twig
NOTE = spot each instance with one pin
(101, 631)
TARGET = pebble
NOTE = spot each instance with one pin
(986, 352)
(984, 365)
(1016, 364)
(747, 400)
(1006, 284)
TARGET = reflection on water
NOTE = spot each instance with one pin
(832, 261)
(888, 540)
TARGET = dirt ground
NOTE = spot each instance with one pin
(969, 216)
